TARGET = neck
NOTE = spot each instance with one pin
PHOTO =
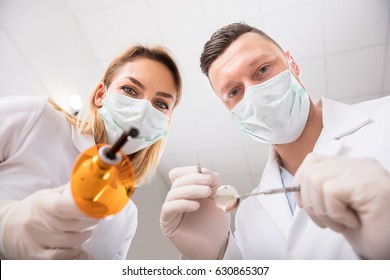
(293, 154)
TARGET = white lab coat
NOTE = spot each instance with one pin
(38, 148)
(265, 227)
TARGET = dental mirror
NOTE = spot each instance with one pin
(228, 199)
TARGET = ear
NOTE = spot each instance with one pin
(99, 95)
(294, 65)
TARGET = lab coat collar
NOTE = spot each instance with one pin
(82, 141)
(340, 119)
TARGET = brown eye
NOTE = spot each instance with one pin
(233, 93)
(263, 69)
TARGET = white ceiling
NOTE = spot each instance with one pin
(59, 48)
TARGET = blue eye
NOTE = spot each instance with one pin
(129, 91)
(162, 105)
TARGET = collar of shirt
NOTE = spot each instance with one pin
(340, 119)
(287, 180)
(82, 141)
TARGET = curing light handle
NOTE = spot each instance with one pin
(132, 132)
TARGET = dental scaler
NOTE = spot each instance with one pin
(102, 180)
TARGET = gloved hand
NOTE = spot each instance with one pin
(350, 196)
(45, 225)
(189, 216)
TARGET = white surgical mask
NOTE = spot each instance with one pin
(273, 112)
(120, 112)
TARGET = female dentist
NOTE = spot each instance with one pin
(40, 142)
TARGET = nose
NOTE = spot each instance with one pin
(249, 83)
(148, 96)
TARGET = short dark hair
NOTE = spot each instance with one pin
(222, 39)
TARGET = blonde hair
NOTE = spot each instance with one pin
(145, 161)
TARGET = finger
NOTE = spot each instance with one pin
(210, 180)
(316, 175)
(63, 254)
(83, 255)
(318, 180)
(317, 197)
(336, 199)
(310, 177)
(298, 199)
(305, 197)
(188, 192)
(70, 224)
(61, 209)
(307, 187)
(310, 160)
(181, 171)
(67, 206)
(302, 175)
(49, 239)
(170, 210)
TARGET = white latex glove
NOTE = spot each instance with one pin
(189, 216)
(350, 196)
(45, 225)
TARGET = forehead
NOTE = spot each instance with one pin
(147, 70)
(247, 47)
(142, 65)
(152, 74)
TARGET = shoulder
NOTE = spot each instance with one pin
(28, 110)
(21, 112)
(25, 112)
(379, 105)
(378, 110)
(22, 106)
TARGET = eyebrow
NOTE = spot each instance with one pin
(135, 81)
(160, 93)
(164, 94)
